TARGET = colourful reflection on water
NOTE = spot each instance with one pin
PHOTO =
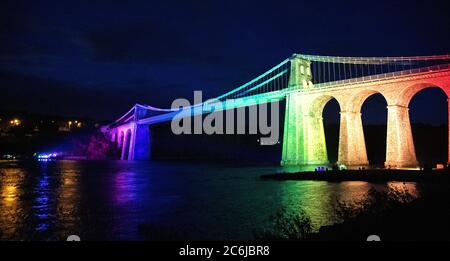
(9, 195)
(38, 199)
(42, 205)
(110, 200)
(317, 199)
(349, 191)
(11, 218)
(311, 197)
(68, 197)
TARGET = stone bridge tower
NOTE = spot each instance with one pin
(304, 137)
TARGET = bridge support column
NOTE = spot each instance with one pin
(317, 148)
(448, 130)
(136, 143)
(141, 146)
(304, 137)
(400, 152)
(352, 146)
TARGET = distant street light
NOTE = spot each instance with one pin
(15, 122)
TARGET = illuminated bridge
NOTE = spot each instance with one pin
(308, 82)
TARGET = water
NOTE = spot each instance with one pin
(111, 200)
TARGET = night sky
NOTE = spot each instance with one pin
(98, 58)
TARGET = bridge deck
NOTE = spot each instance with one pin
(164, 115)
(280, 95)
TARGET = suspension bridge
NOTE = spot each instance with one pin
(307, 83)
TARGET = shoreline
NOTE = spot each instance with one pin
(374, 175)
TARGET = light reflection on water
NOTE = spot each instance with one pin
(10, 209)
(319, 198)
(109, 200)
(125, 188)
(68, 196)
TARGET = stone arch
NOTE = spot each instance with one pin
(406, 95)
(359, 145)
(411, 91)
(400, 149)
(352, 144)
(356, 101)
(318, 104)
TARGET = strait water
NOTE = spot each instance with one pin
(111, 200)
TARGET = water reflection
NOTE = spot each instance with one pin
(355, 191)
(109, 200)
(125, 188)
(11, 219)
(319, 199)
(38, 199)
(42, 204)
(68, 198)
(9, 195)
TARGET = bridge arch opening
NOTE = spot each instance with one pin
(328, 109)
(428, 112)
(120, 143)
(126, 146)
(410, 92)
(115, 139)
(373, 108)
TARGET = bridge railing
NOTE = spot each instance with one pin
(371, 60)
